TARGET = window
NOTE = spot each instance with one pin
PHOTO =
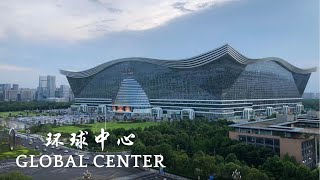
(250, 139)
(265, 132)
(278, 133)
(242, 138)
(255, 131)
(269, 141)
(259, 140)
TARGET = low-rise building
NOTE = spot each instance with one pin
(295, 136)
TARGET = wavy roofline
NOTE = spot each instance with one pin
(192, 62)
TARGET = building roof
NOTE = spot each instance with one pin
(193, 62)
(281, 125)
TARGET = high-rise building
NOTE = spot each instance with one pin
(15, 87)
(5, 87)
(11, 95)
(46, 88)
(42, 88)
(64, 92)
(71, 97)
(26, 94)
(1, 95)
(218, 84)
(51, 86)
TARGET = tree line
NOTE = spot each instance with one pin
(32, 105)
(311, 104)
(202, 148)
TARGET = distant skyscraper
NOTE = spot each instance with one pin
(15, 87)
(51, 86)
(42, 89)
(11, 95)
(26, 94)
(47, 87)
(5, 87)
(65, 92)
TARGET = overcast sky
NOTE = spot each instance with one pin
(39, 37)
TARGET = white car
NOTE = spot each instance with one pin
(86, 158)
(52, 147)
(66, 151)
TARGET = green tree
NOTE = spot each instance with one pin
(208, 165)
(138, 148)
(229, 168)
(231, 157)
(181, 162)
(255, 174)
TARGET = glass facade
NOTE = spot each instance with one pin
(222, 79)
(222, 82)
(131, 98)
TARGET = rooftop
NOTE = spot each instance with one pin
(192, 62)
(309, 126)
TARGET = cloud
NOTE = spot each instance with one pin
(24, 76)
(75, 20)
(8, 67)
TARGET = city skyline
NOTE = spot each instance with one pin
(290, 33)
(47, 90)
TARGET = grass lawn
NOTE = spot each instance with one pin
(97, 126)
(5, 152)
